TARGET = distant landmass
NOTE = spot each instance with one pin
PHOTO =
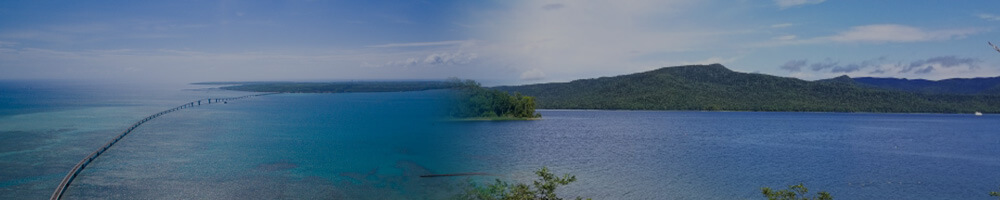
(715, 87)
(947, 86)
(335, 87)
(473, 102)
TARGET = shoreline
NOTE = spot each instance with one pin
(480, 119)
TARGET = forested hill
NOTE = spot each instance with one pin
(714, 87)
(946, 86)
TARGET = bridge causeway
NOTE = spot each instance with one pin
(90, 158)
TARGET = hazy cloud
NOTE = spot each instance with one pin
(794, 65)
(7, 44)
(938, 67)
(792, 3)
(533, 75)
(584, 39)
(846, 68)
(554, 6)
(831, 65)
(441, 58)
(880, 33)
(402, 63)
(827, 64)
(854, 67)
(926, 66)
(989, 17)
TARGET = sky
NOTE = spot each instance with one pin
(495, 42)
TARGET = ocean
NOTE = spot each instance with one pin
(377, 145)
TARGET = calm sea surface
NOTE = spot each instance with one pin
(376, 145)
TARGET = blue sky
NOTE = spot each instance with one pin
(498, 42)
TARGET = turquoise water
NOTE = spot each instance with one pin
(353, 146)
(46, 127)
(376, 145)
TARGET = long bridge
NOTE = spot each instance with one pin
(90, 158)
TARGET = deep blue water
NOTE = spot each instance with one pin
(730, 155)
(376, 145)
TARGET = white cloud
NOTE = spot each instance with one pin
(989, 17)
(533, 75)
(792, 3)
(880, 33)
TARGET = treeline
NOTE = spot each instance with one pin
(474, 101)
(714, 87)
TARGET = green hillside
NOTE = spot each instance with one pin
(714, 87)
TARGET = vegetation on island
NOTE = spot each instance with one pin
(542, 189)
(995, 194)
(476, 102)
(714, 87)
(794, 192)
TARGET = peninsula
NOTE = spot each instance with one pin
(472, 101)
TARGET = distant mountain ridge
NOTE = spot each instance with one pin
(715, 87)
(989, 85)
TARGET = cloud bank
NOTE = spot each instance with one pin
(880, 33)
(937, 67)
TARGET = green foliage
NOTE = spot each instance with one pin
(794, 192)
(714, 87)
(995, 194)
(474, 101)
(542, 189)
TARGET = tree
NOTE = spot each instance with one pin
(474, 101)
(794, 192)
(542, 189)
